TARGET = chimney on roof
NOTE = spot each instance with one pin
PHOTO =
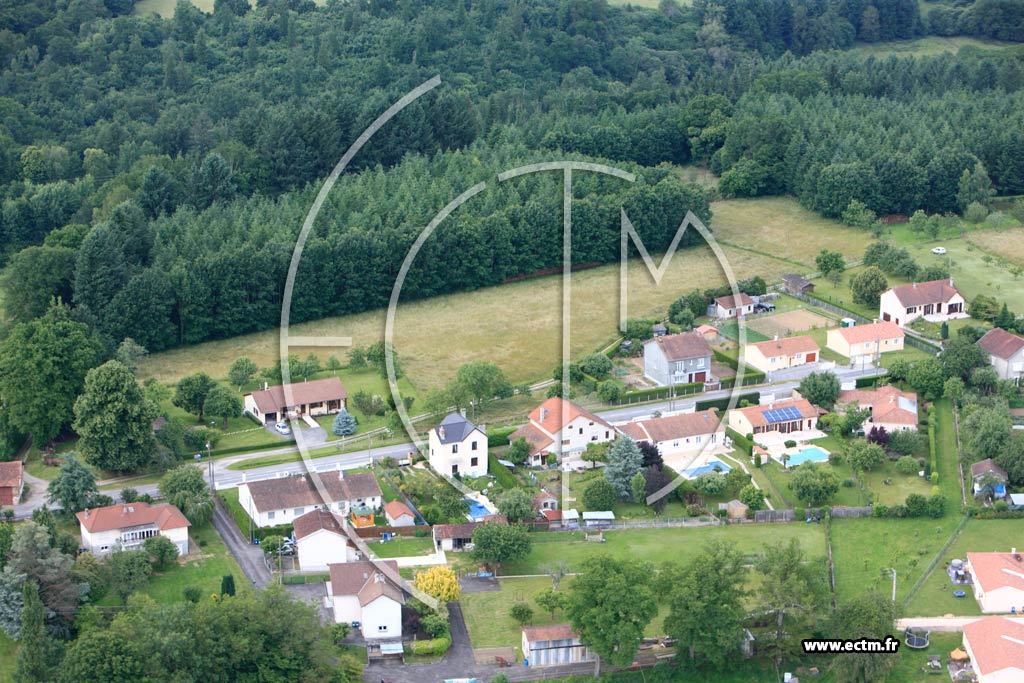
(543, 414)
(265, 386)
(462, 412)
(87, 513)
(440, 431)
(124, 509)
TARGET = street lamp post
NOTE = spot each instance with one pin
(209, 458)
(893, 570)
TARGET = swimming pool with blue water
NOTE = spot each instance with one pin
(476, 510)
(807, 454)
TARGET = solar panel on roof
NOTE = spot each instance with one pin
(782, 414)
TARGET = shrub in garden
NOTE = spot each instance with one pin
(790, 444)
(907, 465)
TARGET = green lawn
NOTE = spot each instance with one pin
(935, 597)
(204, 569)
(948, 456)
(839, 294)
(863, 548)
(403, 546)
(8, 659)
(675, 544)
(927, 46)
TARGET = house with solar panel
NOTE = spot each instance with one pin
(783, 417)
(457, 446)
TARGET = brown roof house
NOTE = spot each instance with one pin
(677, 359)
(272, 502)
(989, 478)
(689, 433)
(398, 514)
(562, 427)
(552, 646)
(782, 354)
(318, 397)
(128, 525)
(794, 284)
(786, 417)
(11, 482)
(998, 581)
(321, 540)
(362, 594)
(733, 307)
(1006, 353)
(890, 408)
(996, 648)
(935, 301)
(458, 536)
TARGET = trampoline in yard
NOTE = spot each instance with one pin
(917, 638)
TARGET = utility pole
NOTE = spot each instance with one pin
(209, 458)
(893, 570)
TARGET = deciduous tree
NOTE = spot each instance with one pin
(497, 544)
(439, 582)
(516, 504)
(114, 420)
(820, 388)
(74, 486)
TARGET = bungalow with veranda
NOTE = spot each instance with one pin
(272, 502)
(678, 434)
(561, 427)
(998, 581)
(936, 301)
(864, 344)
(1006, 353)
(279, 403)
(996, 648)
(785, 417)
(127, 526)
(457, 446)
(677, 359)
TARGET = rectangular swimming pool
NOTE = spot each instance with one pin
(711, 466)
(807, 454)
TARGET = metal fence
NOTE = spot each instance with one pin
(772, 516)
(911, 338)
(852, 512)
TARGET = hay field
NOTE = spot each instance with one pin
(517, 326)
(780, 227)
(1008, 244)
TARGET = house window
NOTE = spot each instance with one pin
(381, 629)
(299, 511)
(474, 461)
(455, 469)
(606, 434)
(270, 515)
(472, 446)
(565, 442)
(700, 362)
(581, 430)
(455, 448)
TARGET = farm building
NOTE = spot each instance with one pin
(553, 645)
(864, 344)
(795, 284)
(276, 404)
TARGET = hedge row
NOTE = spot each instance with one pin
(989, 513)
(661, 392)
(723, 403)
(502, 475)
(437, 646)
(750, 377)
(741, 442)
(725, 358)
(499, 436)
(862, 382)
(933, 458)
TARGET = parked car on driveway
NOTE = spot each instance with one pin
(282, 428)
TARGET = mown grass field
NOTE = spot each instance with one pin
(780, 227)
(676, 544)
(863, 549)
(927, 46)
(8, 657)
(935, 597)
(517, 326)
(403, 546)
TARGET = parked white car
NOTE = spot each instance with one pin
(282, 428)
(939, 250)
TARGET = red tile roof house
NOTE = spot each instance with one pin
(935, 301)
(782, 354)
(687, 433)
(458, 536)
(398, 514)
(319, 397)
(321, 540)
(731, 307)
(553, 645)
(127, 526)
(678, 359)
(1006, 353)
(785, 417)
(562, 427)
(890, 408)
(998, 581)
(996, 648)
(11, 482)
(272, 502)
(361, 593)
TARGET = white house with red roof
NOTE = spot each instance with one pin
(996, 648)
(276, 404)
(935, 301)
(890, 408)
(561, 427)
(361, 593)
(1006, 353)
(732, 307)
(398, 513)
(998, 580)
(864, 344)
(688, 433)
(320, 540)
(128, 525)
(782, 354)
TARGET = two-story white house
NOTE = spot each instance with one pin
(677, 359)
(320, 540)
(272, 502)
(935, 301)
(361, 593)
(1006, 353)
(457, 446)
(561, 427)
(127, 526)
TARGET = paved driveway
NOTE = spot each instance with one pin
(248, 556)
(457, 663)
